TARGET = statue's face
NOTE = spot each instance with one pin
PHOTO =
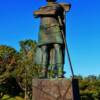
(51, 0)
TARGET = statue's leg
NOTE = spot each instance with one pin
(59, 59)
(38, 56)
(52, 65)
(44, 60)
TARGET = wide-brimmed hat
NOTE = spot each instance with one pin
(51, 0)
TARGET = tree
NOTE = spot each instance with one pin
(27, 69)
(90, 88)
(19, 67)
(8, 63)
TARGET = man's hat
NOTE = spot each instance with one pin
(51, 0)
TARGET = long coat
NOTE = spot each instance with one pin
(50, 29)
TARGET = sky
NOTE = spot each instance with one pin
(82, 29)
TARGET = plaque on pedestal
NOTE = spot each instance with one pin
(55, 89)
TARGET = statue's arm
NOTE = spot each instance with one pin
(42, 12)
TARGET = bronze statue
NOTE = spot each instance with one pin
(51, 45)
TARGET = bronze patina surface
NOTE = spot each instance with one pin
(50, 39)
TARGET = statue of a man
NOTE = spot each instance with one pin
(51, 40)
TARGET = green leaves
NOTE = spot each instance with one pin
(8, 62)
(17, 68)
(90, 88)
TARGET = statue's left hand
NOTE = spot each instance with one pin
(35, 16)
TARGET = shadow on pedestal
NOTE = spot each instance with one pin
(75, 89)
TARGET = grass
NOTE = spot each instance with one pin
(7, 97)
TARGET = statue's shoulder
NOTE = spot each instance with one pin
(54, 5)
(65, 6)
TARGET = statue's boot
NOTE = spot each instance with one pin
(60, 73)
(52, 71)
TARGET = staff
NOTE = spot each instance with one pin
(66, 46)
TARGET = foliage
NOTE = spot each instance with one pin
(26, 66)
(90, 88)
(17, 68)
(7, 97)
(8, 62)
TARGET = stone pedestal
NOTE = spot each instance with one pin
(55, 89)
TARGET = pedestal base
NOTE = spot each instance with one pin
(55, 89)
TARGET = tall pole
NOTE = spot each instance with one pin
(66, 46)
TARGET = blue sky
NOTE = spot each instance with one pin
(83, 30)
